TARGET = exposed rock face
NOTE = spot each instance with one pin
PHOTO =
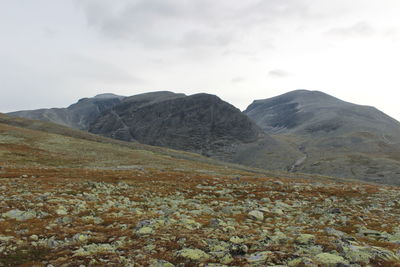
(200, 123)
(337, 138)
(79, 115)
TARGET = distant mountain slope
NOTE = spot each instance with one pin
(337, 138)
(313, 112)
(79, 115)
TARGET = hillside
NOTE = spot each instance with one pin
(79, 115)
(74, 199)
(337, 138)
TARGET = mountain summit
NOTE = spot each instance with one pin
(313, 112)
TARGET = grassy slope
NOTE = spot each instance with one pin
(370, 160)
(25, 143)
(65, 147)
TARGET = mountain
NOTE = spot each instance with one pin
(79, 115)
(337, 138)
(199, 123)
(301, 131)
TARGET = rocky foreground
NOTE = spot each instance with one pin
(82, 217)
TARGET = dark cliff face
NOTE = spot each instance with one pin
(200, 123)
(79, 115)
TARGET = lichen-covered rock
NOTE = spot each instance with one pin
(258, 257)
(301, 261)
(329, 260)
(6, 239)
(93, 249)
(80, 238)
(145, 230)
(256, 215)
(356, 254)
(305, 239)
(226, 259)
(236, 240)
(62, 211)
(19, 215)
(193, 254)
(34, 238)
(190, 224)
(161, 263)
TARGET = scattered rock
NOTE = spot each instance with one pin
(256, 215)
(19, 215)
(193, 254)
(236, 240)
(329, 260)
(145, 230)
(34, 238)
(258, 257)
(305, 239)
(161, 263)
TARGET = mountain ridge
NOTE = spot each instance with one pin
(78, 115)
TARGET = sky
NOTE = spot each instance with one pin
(54, 52)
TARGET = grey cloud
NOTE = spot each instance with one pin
(175, 23)
(47, 85)
(360, 29)
(278, 73)
(156, 23)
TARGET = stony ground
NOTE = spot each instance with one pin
(147, 217)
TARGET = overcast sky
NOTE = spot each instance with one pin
(53, 52)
